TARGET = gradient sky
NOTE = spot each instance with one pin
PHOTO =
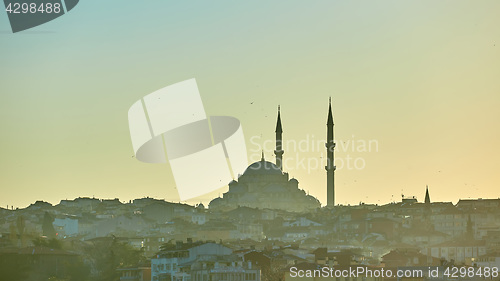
(422, 78)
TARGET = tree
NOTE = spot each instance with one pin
(13, 234)
(49, 243)
(107, 255)
(275, 272)
(13, 268)
(77, 271)
(47, 227)
(21, 225)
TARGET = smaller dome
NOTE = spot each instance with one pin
(215, 202)
(313, 199)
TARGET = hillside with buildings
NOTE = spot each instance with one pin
(162, 239)
(263, 228)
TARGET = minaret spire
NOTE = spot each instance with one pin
(330, 167)
(427, 211)
(279, 141)
(427, 197)
(330, 116)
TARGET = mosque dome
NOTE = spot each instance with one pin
(263, 167)
(263, 185)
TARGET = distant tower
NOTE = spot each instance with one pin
(279, 140)
(427, 210)
(427, 197)
(330, 167)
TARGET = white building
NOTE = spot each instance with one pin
(490, 260)
(66, 226)
(301, 222)
(223, 268)
(168, 264)
(462, 252)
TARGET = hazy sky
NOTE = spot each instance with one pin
(419, 78)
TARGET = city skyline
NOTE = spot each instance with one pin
(421, 82)
(304, 145)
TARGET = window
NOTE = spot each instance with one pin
(250, 276)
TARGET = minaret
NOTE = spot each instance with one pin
(427, 197)
(279, 148)
(330, 167)
(427, 210)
